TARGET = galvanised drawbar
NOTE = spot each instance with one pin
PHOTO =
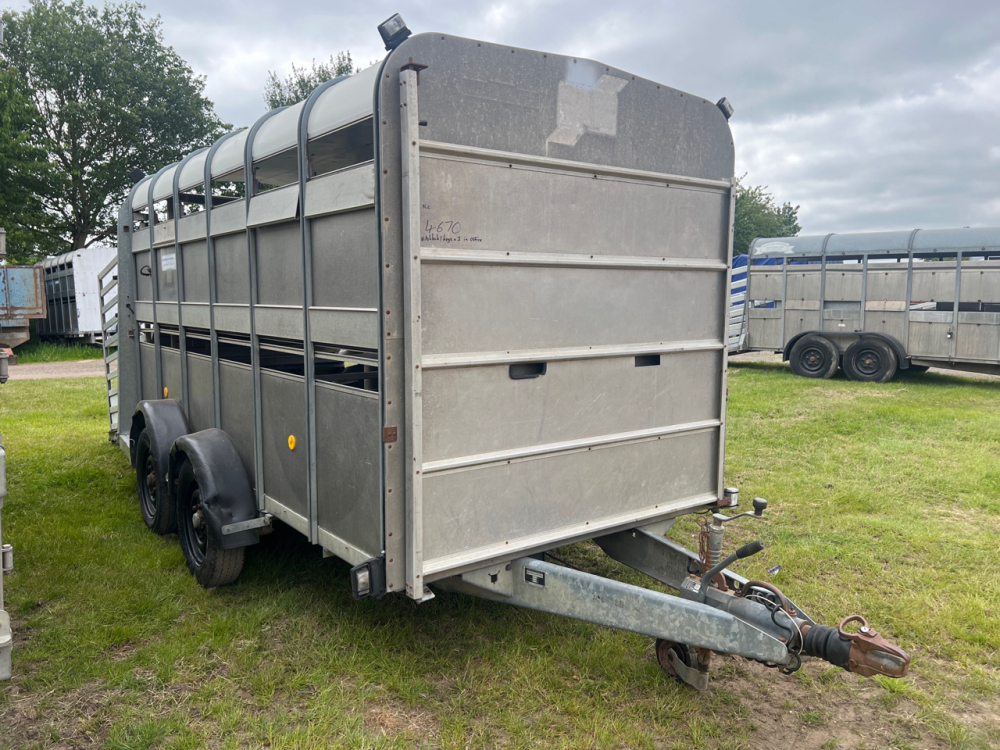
(455, 310)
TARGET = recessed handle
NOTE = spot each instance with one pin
(527, 370)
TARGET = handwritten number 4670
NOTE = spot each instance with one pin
(442, 227)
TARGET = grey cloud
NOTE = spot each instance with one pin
(869, 115)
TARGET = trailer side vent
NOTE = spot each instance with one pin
(647, 360)
(198, 341)
(527, 370)
(342, 148)
(169, 337)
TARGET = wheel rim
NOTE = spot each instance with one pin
(812, 359)
(664, 649)
(196, 539)
(147, 482)
(868, 362)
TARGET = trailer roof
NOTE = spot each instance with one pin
(349, 101)
(193, 171)
(163, 188)
(881, 243)
(140, 192)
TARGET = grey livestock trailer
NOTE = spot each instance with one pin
(448, 313)
(875, 303)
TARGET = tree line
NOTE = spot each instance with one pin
(89, 94)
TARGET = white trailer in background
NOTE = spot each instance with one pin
(873, 303)
(73, 294)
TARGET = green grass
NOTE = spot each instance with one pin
(885, 500)
(35, 351)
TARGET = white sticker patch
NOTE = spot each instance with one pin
(586, 109)
(168, 262)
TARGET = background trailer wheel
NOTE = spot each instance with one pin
(155, 427)
(814, 357)
(870, 360)
(156, 508)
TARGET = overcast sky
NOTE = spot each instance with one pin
(870, 115)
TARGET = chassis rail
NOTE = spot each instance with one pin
(731, 615)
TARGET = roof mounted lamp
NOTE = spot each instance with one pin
(726, 107)
(393, 31)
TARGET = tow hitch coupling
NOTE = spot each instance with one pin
(864, 652)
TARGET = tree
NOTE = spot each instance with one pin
(110, 96)
(300, 83)
(22, 166)
(757, 215)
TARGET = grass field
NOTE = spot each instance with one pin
(35, 351)
(885, 500)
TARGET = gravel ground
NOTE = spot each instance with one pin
(735, 360)
(87, 368)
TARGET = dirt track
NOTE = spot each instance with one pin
(87, 368)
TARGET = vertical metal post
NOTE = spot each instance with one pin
(308, 350)
(250, 183)
(213, 295)
(864, 290)
(410, 139)
(179, 256)
(724, 393)
(124, 307)
(909, 289)
(154, 277)
(955, 316)
(822, 280)
(784, 294)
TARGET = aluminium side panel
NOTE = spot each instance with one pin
(568, 288)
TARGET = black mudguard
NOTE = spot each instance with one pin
(165, 422)
(226, 494)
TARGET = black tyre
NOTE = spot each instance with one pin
(664, 651)
(210, 565)
(870, 360)
(814, 357)
(157, 510)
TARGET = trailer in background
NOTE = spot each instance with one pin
(875, 303)
(458, 309)
(22, 299)
(73, 294)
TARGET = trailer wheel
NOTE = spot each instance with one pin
(209, 564)
(814, 357)
(157, 512)
(870, 360)
(664, 649)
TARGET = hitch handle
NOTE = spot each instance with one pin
(751, 548)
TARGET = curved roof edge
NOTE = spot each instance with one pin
(857, 243)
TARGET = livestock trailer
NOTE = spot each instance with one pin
(72, 294)
(22, 299)
(455, 310)
(875, 303)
